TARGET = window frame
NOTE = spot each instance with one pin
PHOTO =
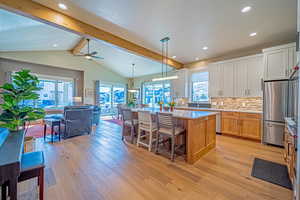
(197, 81)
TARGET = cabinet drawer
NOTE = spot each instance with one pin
(250, 115)
(230, 114)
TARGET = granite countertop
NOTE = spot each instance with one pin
(291, 126)
(181, 114)
(221, 110)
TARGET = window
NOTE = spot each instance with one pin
(110, 95)
(155, 92)
(53, 93)
(200, 87)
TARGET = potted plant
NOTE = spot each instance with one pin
(172, 105)
(160, 103)
(15, 112)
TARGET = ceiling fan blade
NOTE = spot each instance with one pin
(97, 57)
(80, 54)
(93, 53)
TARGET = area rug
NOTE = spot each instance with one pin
(271, 172)
(37, 131)
(115, 121)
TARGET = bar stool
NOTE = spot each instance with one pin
(32, 165)
(167, 126)
(147, 125)
(129, 121)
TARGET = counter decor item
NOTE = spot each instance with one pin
(172, 105)
(160, 103)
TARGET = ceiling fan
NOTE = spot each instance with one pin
(89, 55)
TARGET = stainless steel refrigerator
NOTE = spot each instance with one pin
(275, 110)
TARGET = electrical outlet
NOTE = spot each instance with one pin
(244, 104)
(221, 103)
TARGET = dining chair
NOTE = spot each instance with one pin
(167, 127)
(130, 122)
(146, 124)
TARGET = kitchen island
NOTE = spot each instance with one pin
(200, 131)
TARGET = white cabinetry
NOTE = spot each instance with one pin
(179, 87)
(249, 73)
(215, 80)
(279, 61)
(236, 78)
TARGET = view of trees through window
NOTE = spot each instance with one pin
(200, 87)
(155, 92)
(54, 93)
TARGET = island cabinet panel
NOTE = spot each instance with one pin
(230, 123)
(211, 131)
(246, 125)
(201, 137)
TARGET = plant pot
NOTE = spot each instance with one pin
(172, 108)
(29, 144)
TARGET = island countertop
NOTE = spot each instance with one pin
(180, 114)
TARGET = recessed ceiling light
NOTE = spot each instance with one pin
(62, 6)
(55, 45)
(197, 58)
(173, 57)
(205, 48)
(252, 34)
(246, 9)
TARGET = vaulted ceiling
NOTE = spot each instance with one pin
(19, 33)
(218, 24)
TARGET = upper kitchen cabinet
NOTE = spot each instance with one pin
(279, 61)
(215, 80)
(248, 73)
(179, 87)
(236, 78)
(221, 79)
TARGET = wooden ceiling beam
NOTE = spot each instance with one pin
(79, 46)
(52, 17)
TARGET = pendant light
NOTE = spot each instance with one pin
(164, 62)
(132, 89)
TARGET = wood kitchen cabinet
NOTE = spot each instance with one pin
(250, 126)
(246, 125)
(230, 123)
(211, 130)
(290, 154)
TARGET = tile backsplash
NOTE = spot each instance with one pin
(246, 103)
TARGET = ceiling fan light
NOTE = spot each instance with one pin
(88, 57)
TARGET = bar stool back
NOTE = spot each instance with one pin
(128, 121)
(167, 126)
(147, 125)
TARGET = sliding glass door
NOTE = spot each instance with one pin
(110, 96)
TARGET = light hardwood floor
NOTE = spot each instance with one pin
(101, 166)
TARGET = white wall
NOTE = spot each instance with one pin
(92, 71)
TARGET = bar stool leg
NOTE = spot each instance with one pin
(172, 148)
(139, 137)
(150, 140)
